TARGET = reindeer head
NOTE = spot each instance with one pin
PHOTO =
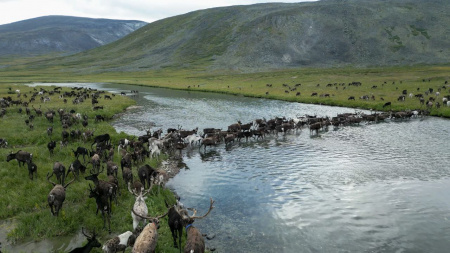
(186, 218)
(94, 176)
(54, 184)
(141, 195)
(154, 220)
(92, 240)
(10, 156)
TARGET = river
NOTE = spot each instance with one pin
(370, 188)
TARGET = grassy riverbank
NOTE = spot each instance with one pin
(389, 82)
(25, 201)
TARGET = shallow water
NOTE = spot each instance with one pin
(369, 188)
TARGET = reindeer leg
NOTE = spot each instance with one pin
(180, 232)
(174, 236)
(51, 210)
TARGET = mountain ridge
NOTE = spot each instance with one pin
(272, 36)
(63, 35)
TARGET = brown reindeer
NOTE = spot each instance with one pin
(56, 196)
(146, 241)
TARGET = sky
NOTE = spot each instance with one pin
(144, 10)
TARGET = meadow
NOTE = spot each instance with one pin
(383, 84)
(24, 201)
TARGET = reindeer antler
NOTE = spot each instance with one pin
(200, 217)
(48, 179)
(82, 231)
(132, 191)
(65, 186)
(147, 191)
(149, 218)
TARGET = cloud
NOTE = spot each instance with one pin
(149, 11)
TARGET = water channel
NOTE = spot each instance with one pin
(370, 188)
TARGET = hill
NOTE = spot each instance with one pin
(264, 37)
(61, 35)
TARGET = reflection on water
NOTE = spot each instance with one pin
(369, 188)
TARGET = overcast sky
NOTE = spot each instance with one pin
(145, 10)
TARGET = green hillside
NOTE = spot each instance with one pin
(262, 37)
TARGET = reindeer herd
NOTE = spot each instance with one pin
(93, 158)
(133, 154)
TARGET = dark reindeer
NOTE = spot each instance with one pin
(175, 223)
(145, 174)
(81, 151)
(51, 146)
(102, 187)
(103, 205)
(194, 241)
(32, 169)
(20, 156)
(101, 138)
(92, 243)
(76, 167)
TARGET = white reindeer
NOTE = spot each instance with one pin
(155, 150)
(140, 206)
(193, 139)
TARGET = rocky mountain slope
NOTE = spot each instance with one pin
(61, 35)
(327, 33)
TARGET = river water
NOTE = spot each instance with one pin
(370, 188)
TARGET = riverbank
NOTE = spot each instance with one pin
(25, 201)
(333, 86)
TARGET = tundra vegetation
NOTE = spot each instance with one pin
(384, 84)
(24, 201)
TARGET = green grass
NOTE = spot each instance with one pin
(25, 201)
(254, 84)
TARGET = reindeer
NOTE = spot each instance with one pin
(155, 151)
(56, 196)
(175, 223)
(60, 171)
(102, 187)
(145, 174)
(209, 141)
(32, 169)
(126, 161)
(92, 243)
(194, 241)
(95, 160)
(315, 127)
(111, 168)
(235, 127)
(184, 134)
(81, 151)
(20, 156)
(76, 167)
(127, 176)
(103, 205)
(38, 111)
(146, 241)
(101, 138)
(160, 178)
(50, 131)
(139, 205)
(51, 146)
(119, 243)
